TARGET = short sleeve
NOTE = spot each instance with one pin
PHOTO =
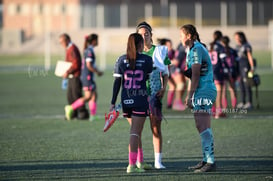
(167, 61)
(149, 65)
(196, 55)
(89, 56)
(248, 48)
(117, 68)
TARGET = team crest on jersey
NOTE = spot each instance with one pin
(195, 56)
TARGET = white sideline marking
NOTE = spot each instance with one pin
(185, 116)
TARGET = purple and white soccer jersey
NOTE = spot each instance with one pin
(134, 90)
(87, 77)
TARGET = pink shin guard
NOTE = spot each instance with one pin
(140, 155)
(78, 103)
(132, 158)
(170, 97)
(92, 107)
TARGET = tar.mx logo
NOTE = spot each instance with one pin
(202, 102)
(37, 72)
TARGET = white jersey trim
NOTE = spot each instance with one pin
(88, 59)
(117, 75)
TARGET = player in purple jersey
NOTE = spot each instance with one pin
(246, 66)
(177, 80)
(230, 73)
(87, 78)
(131, 72)
(215, 50)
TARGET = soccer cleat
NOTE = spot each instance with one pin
(197, 166)
(247, 106)
(134, 169)
(240, 105)
(159, 166)
(208, 167)
(68, 112)
(111, 117)
(93, 118)
(144, 166)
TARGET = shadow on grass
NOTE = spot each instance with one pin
(116, 168)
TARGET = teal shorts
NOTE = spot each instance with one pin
(203, 99)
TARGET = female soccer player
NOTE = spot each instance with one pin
(229, 56)
(201, 93)
(216, 49)
(246, 64)
(88, 79)
(176, 79)
(156, 89)
(131, 71)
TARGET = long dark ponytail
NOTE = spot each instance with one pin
(217, 36)
(88, 40)
(225, 40)
(134, 42)
(190, 29)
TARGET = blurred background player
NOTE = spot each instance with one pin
(74, 88)
(157, 84)
(176, 78)
(246, 65)
(201, 94)
(215, 50)
(230, 76)
(131, 72)
(89, 70)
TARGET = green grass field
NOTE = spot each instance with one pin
(37, 144)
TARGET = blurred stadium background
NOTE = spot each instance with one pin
(33, 26)
(35, 142)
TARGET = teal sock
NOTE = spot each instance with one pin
(207, 146)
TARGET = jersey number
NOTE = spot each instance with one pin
(132, 79)
(213, 57)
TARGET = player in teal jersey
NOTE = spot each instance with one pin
(201, 93)
(156, 86)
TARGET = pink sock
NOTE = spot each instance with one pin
(213, 109)
(140, 155)
(93, 107)
(78, 103)
(218, 110)
(180, 102)
(132, 158)
(224, 103)
(233, 102)
(170, 97)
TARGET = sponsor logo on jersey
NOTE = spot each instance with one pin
(128, 101)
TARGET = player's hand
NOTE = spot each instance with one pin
(160, 93)
(100, 73)
(188, 102)
(65, 75)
